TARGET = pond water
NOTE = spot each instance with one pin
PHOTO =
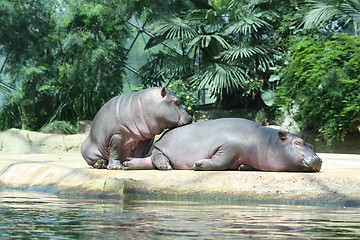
(31, 215)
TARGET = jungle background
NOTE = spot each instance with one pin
(60, 61)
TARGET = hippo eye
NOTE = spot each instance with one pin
(299, 143)
(176, 102)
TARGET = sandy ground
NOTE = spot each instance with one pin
(48, 162)
(15, 141)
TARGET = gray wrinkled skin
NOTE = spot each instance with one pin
(229, 144)
(126, 125)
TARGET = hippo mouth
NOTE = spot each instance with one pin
(314, 164)
(315, 169)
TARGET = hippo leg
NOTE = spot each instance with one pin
(221, 160)
(138, 164)
(115, 150)
(160, 161)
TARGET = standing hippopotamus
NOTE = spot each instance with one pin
(229, 143)
(126, 125)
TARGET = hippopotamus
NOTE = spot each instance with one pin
(126, 125)
(229, 144)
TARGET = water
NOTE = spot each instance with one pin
(29, 215)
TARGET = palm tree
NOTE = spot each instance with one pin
(325, 10)
(224, 45)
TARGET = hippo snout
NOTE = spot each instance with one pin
(313, 163)
(185, 120)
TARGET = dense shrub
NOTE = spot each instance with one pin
(323, 79)
(186, 93)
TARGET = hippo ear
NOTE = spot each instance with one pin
(163, 92)
(282, 135)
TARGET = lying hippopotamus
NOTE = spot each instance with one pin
(229, 143)
(126, 125)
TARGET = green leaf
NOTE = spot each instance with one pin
(268, 97)
(274, 78)
(220, 78)
(176, 28)
(205, 40)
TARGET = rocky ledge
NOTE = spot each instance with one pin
(338, 182)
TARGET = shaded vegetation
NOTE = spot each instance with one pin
(62, 60)
(64, 65)
(326, 76)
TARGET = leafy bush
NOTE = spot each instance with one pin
(323, 79)
(186, 93)
(66, 65)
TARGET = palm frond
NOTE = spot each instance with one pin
(323, 11)
(264, 62)
(248, 23)
(240, 52)
(162, 67)
(256, 58)
(320, 13)
(352, 9)
(220, 78)
(176, 28)
(204, 40)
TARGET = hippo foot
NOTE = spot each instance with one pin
(199, 165)
(101, 164)
(137, 163)
(115, 166)
(160, 161)
(129, 165)
(164, 166)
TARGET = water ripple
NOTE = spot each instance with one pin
(28, 215)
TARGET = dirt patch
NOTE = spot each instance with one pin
(15, 141)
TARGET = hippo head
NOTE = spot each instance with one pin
(170, 113)
(296, 155)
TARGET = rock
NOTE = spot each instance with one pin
(15, 141)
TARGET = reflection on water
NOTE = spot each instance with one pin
(28, 215)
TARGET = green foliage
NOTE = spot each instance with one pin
(92, 52)
(9, 114)
(221, 45)
(164, 66)
(323, 78)
(340, 11)
(64, 58)
(60, 127)
(187, 95)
